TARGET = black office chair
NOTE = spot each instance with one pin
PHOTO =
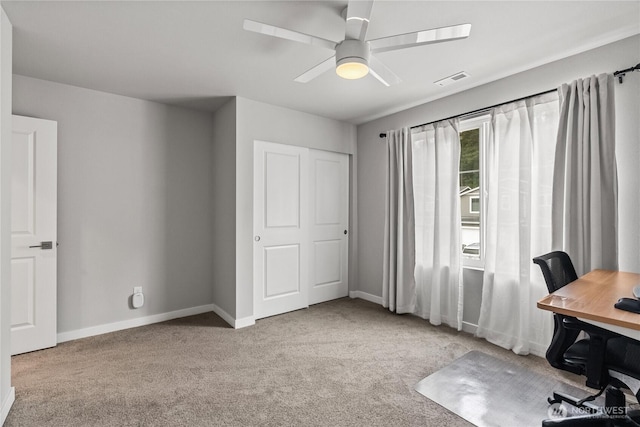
(608, 360)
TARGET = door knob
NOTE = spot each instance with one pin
(257, 238)
(43, 245)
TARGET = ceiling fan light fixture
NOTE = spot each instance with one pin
(352, 68)
(352, 59)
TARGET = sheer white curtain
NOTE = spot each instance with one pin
(398, 283)
(585, 200)
(520, 159)
(436, 160)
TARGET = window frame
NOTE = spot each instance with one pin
(482, 122)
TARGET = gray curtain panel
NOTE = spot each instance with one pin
(398, 285)
(585, 188)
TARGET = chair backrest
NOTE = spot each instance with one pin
(557, 269)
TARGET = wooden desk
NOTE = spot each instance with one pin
(591, 299)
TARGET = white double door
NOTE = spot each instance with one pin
(301, 216)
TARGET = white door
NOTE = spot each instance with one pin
(329, 220)
(33, 234)
(281, 239)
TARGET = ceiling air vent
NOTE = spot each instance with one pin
(452, 79)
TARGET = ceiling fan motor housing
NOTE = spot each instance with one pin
(352, 51)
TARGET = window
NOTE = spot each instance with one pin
(473, 134)
(474, 204)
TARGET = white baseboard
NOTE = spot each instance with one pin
(469, 327)
(235, 323)
(7, 404)
(224, 315)
(132, 323)
(365, 296)
(244, 322)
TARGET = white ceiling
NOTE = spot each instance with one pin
(197, 54)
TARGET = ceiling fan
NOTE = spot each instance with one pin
(355, 56)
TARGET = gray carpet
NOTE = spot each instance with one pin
(346, 362)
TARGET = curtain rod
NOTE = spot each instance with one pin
(618, 74)
(384, 134)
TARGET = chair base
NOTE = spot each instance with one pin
(585, 404)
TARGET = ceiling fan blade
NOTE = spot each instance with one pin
(358, 14)
(314, 72)
(381, 72)
(283, 33)
(419, 38)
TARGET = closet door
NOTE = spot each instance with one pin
(281, 231)
(329, 220)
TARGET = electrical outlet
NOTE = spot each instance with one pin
(137, 299)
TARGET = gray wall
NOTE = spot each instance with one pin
(5, 211)
(259, 121)
(223, 208)
(371, 153)
(134, 202)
